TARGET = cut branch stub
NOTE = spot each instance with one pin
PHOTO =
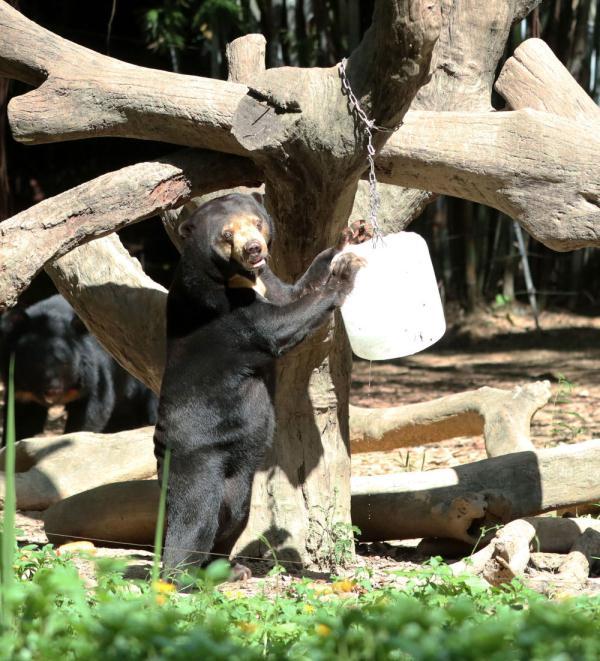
(535, 78)
(504, 417)
(246, 58)
(55, 226)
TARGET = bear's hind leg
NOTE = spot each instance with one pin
(234, 517)
(194, 498)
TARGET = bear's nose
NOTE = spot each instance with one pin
(253, 248)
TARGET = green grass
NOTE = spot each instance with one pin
(8, 520)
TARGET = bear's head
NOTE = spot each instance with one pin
(46, 340)
(235, 229)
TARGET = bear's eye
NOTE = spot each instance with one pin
(259, 225)
(227, 235)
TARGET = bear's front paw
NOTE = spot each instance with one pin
(343, 272)
(357, 232)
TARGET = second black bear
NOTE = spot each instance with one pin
(57, 361)
(228, 318)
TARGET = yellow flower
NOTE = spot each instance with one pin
(323, 630)
(162, 588)
(309, 608)
(160, 599)
(247, 627)
(345, 585)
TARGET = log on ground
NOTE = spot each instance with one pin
(454, 503)
(503, 416)
(459, 502)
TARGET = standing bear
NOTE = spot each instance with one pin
(228, 319)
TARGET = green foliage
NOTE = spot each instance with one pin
(438, 616)
(7, 545)
(181, 24)
(335, 539)
(502, 302)
(567, 424)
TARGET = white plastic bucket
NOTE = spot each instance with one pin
(395, 308)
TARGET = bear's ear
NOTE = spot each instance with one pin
(13, 321)
(185, 229)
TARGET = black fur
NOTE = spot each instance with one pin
(216, 404)
(57, 361)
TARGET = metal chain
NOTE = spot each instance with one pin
(369, 127)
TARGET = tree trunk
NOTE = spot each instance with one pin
(305, 487)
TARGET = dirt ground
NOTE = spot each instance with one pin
(490, 349)
(498, 350)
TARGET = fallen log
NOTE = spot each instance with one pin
(504, 417)
(460, 502)
(47, 470)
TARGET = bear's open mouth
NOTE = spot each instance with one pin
(256, 262)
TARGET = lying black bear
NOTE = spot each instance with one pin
(57, 361)
(228, 318)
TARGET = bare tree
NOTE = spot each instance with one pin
(295, 129)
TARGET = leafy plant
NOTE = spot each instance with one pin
(334, 538)
(8, 521)
(567, 424)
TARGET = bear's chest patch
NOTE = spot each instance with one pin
(240, 282)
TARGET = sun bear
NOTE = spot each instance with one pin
(58, 361)
(228, 319)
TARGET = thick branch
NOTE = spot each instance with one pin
(535, 78)
(540, 169)
(55, 226)
(463, 67)
(85, 94)
(503, 416)
(458, 502)
(119, 303)
(393, 59)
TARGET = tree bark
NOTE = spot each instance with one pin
(503, 416)
(459, 502)
(119, 303)
(535, 78)
(83, 94)
(512, 161)
(51, 469)
(507, 555)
